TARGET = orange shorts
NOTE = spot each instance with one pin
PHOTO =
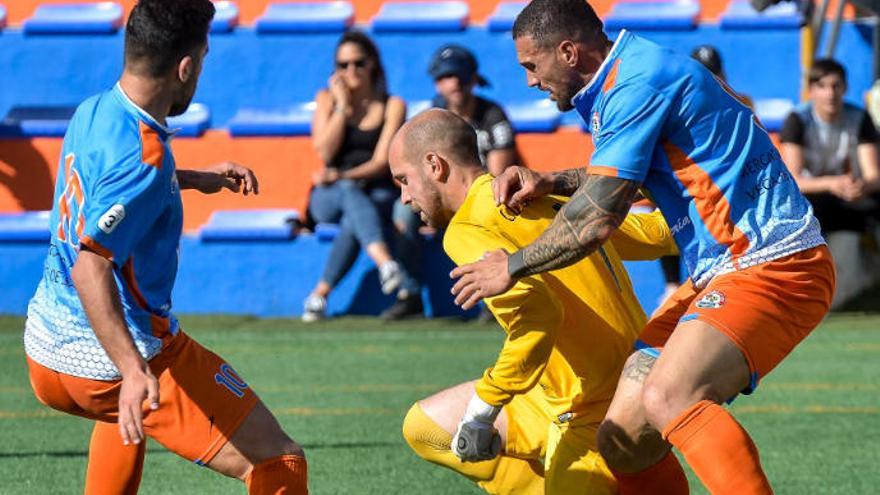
(766, 310)
(202, 401)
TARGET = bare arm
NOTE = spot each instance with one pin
(596, 209)
(328, 125)
(395, 113)
(498, 160)
(868, 163)
(793, 156)
(229, 175)
(94, 281)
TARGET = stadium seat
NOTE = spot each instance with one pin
(29, 226)
(741, 15)
(326, 232)
(225, 18)
(665, 15)
(533, 116)
(75, 18)
(306, 17)
(2, 17)
(36, 121)
(291, 121)
(505, 13)
(420, 17)
(250, 225)
(772, 112)
(193, 123)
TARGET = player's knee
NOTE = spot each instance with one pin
(422, 434)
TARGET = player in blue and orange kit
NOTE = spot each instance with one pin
(100, 339)
(761, 278)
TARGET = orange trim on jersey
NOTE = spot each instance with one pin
(711, 204)
(602, 170)
(96, 247)
(152, 149)
(160, 325)
(128, 275)
(611, 78)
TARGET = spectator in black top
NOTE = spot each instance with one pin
(352, 128)
(454, 69)
(830, 147)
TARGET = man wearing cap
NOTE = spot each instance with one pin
(454, 70)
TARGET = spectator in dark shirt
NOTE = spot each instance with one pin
(830, 147)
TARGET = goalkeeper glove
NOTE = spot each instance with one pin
(476, 438)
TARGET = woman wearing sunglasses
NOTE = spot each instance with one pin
(352, 128)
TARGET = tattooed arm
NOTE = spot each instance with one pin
(516, 186)
(596, 209)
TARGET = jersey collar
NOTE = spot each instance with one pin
(165, 132)
(585, 98)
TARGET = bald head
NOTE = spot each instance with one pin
(434, 158)
(442, 132)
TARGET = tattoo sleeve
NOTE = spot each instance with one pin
(565, 183)
(596, 209)
(638, 367)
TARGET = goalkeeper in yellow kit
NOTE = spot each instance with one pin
(529, 424)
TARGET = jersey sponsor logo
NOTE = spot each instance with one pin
(111, 218)
(679, 224)
(595, 124)
(712, 300)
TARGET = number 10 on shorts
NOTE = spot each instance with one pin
(230, 379)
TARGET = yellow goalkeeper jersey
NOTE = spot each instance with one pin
(570, 330)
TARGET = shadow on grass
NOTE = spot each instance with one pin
(154, 451)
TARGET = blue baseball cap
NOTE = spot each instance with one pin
(455, 60)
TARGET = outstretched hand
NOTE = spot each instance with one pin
(225, 175)
(516, 186)
(484, 278)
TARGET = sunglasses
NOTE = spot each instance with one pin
(359, 64)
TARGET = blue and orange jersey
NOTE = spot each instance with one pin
(117, 195)
(662, 119)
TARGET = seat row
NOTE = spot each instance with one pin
(401, 16)
(540, 116)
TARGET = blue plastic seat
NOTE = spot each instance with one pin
(326, 232)
(250, 225)
(29, 226)
(505, 13)
(420, 17)
(225, 17)
(36, 121)
(289, 121)
(772, 112)
(741, 15)
(192, 123)
(533, 116)
(664, 15)
(416, 107)
(308, 17)
(75, 18)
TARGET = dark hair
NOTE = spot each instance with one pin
(823, 67)
(377, 74)
(161, 32)
(550, 21)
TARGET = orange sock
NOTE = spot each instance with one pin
(666, 477)
(718, 449)
(113, 467)
(285, 475)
